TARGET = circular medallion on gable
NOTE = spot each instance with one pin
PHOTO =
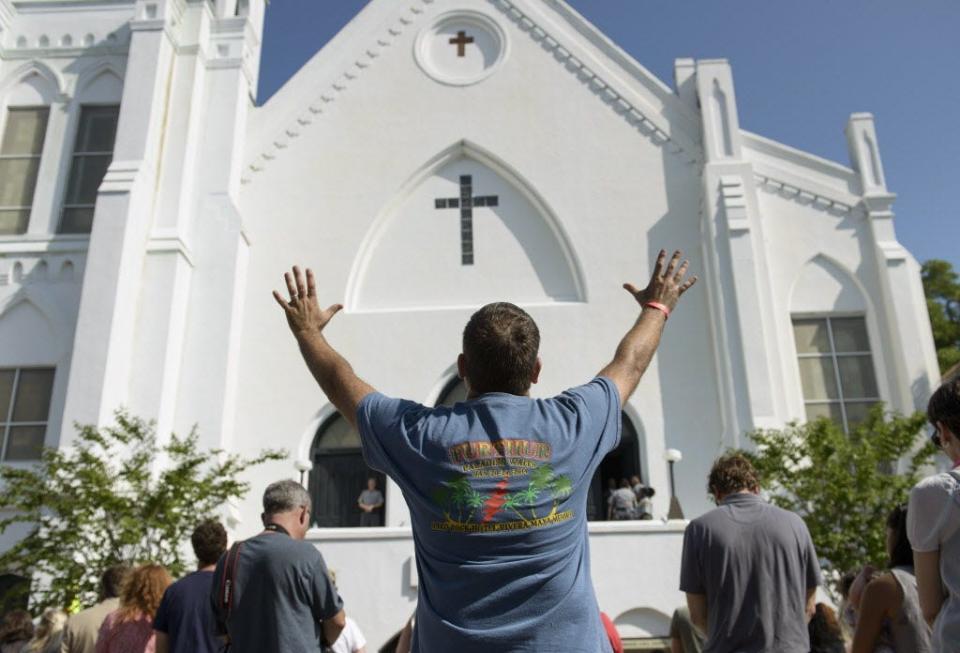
(461, 48)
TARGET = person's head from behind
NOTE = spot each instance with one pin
(17, 626)
(732, 474)
(648, 492)
(899, 551)
(286, 503)
(624, 484)
(943, 411)
(635, 480)
(500, 345)
(111, 581)
(209, 540)
(824, 628)
(51, 623)
(142, 591)
(371, 484)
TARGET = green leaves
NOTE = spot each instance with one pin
(118, 495)
(843, 486)
(942, 288)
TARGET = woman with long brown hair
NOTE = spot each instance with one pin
(129, 629)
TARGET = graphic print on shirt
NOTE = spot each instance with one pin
(526, 478)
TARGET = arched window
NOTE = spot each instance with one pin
(622, 462)
(339, 475)
(455, 391)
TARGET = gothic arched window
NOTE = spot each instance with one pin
(339, 474)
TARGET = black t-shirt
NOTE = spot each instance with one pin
(281, 594)
(186, 615)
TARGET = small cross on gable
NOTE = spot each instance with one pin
(465, 203)
(461, 42)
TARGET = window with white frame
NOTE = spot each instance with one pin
(20, 151)
(836, 368)
(24, 411)
(92, 153)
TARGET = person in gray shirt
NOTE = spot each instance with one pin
(748, 568)
(371, 503)
(272, 593)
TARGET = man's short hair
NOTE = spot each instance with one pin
(284, 496)
(111, 581)
(209, 540)
(944, 406)
(500, 343)
(732, 473)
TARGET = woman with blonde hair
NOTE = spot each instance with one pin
(49, 634)
(129, 629)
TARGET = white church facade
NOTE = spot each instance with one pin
(434, 156)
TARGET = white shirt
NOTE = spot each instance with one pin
(933, 524)
(350, 640)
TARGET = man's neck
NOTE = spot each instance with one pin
(207, 567)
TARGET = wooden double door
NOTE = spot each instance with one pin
(336, 481)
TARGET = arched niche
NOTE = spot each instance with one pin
(822, 286)
(28, 334)
(339, 474)
(33, 84)
(101, 84)
(465, 230)
(642, 623)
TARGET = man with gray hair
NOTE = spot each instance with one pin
(272, 593)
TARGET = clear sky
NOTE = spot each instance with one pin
(800, 67)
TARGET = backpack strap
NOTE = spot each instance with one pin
(229, 580)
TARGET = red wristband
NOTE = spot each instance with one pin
(660, 307)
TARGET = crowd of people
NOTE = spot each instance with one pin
(497, 488)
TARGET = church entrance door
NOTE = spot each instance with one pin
(622, 462)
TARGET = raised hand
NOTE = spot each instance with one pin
(667, 284)
(303, 312)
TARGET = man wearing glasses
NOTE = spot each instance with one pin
(933, 524)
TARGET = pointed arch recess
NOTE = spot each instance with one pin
(50, 77)
(851, 296)
(468, 149)
(90, 75)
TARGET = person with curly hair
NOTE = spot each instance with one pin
(749, 568)
(15, 631)
(129, 629)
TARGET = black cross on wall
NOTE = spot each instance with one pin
(461, 41)
(465, 203)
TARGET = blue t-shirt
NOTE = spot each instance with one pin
(497, 490)
(186, 616)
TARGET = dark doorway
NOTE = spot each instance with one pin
(339, 475)
(14, 593)
(622, 462)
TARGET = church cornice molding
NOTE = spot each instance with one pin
(803, 195)
(644, 120)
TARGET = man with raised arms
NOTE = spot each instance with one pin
(496, 485)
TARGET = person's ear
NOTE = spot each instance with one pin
(462, 366)
(263, 518)
(537, 368)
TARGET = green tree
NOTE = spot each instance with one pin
(843, 486)
(942, 288)
(117, 495)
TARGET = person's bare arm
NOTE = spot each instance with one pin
(811, 606)
(307, 321)
(881, 599)
(636, 350)
(926, 565)
(697, 604)
(333, 626)
(161, 642)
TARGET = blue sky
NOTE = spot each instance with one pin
(800, 67)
